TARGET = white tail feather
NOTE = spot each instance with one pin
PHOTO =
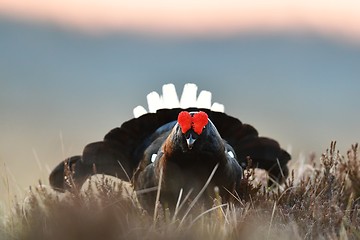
(188, 97)
(139, 111)
(217, 107)
(169, 99)
(154, 101)
(204, 100)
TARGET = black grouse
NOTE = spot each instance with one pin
(185, 147)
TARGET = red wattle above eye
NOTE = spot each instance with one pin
(199, 120)
(184, 120)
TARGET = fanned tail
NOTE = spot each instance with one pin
(169, 100)
(123, 147)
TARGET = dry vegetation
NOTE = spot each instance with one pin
(318, 201)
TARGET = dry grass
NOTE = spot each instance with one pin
(318, 201)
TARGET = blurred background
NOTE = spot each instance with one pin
(72, 70)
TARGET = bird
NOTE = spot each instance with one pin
(186, 147)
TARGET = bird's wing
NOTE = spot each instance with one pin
(122, 149)
(264, 152)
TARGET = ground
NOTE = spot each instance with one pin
(317, 201)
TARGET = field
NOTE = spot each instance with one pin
(319, 200)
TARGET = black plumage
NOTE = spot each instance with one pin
(142, 147)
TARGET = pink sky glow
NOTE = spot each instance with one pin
(193, 17)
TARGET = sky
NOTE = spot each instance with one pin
(70, 71)
(194, 17)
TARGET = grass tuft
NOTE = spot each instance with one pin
(319, 200)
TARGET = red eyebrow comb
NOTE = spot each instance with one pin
(199, 121)
(185, 121)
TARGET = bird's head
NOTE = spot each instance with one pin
(198, 131)
(192, 125)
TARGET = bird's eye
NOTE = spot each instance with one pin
(153, 157)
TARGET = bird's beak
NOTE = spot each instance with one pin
(190, 141)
